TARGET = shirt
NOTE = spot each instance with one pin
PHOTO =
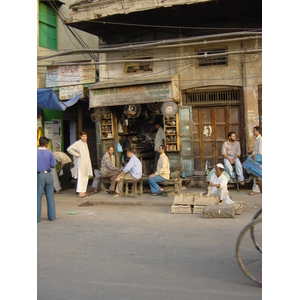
(258, 145)
(61, 157)
(134, 166)
(107, 163)
(233, 150)
(160, 135)
(45, 160)
(163, 167)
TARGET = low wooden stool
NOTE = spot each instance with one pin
(134, 183)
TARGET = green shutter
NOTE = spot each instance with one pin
(47, 27)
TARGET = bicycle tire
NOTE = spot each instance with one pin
(249, 259)
(256, 216)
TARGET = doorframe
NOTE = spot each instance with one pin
(240, 103)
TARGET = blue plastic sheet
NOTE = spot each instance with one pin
(46, 98)
(254, 167)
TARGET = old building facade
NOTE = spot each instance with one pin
(204, 56)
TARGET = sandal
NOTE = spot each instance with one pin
(93, 192)
(253, 193)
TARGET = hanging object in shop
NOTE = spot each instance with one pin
(105, 113)
(46, 98)
(96, 115)
(154, 107)
(132, 110)
(169, 109)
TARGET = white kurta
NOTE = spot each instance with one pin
(222, 191)
(82, 164)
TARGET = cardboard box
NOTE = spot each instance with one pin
(198, 209)
(181, 209)
(201, 200)
(183, 200)
(238, 205)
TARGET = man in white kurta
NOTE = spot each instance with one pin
(82, 164)
(218, 185)
(257, 150)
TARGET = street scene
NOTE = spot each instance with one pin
(136, 249)
(149, 149)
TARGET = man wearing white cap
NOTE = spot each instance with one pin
(218, 184)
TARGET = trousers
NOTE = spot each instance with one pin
(238, 168)
(112, 174)
(97, 179)
(45, 183)
(155, 188)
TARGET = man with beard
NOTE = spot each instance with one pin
(231, 150)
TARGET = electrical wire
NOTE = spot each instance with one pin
(72, 31)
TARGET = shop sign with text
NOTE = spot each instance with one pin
(156, 92)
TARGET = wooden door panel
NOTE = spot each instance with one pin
(211, 126)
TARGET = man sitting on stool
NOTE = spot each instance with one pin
(132, 170)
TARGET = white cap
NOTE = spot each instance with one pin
(220, 166)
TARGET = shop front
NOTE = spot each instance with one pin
(125, 113)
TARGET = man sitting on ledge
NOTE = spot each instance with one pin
(162, 172)
(132, 170)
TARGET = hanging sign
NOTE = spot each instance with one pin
(70, 75)
(69, 92)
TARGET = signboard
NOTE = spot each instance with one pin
(69, 92)
(70, 75)
(52, 131)
(156, 92)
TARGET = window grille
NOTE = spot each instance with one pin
(139, 67)
(213, 61)
(217, 97)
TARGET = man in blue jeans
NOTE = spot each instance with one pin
(45, 162)
(231, 151)
(162, 172)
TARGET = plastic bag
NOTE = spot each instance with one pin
(119, 148)
(254, 167)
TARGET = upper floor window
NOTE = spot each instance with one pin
(47, 27)
(213, 57)
(139, 66)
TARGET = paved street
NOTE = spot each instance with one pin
(138, 250)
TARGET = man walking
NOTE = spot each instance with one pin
(162, 172)
(45, 163)
(231, 150)
(132, 170)
(82, 164)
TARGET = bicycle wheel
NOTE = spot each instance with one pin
(258, 214)
(256, 243)
(248, 256)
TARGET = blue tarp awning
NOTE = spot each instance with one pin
(46, 98)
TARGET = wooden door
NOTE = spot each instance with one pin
(211, 126)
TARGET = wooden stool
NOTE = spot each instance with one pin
(134, 183)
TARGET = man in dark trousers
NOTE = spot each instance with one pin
(45, 162)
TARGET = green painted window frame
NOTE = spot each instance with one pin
(47, 27)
